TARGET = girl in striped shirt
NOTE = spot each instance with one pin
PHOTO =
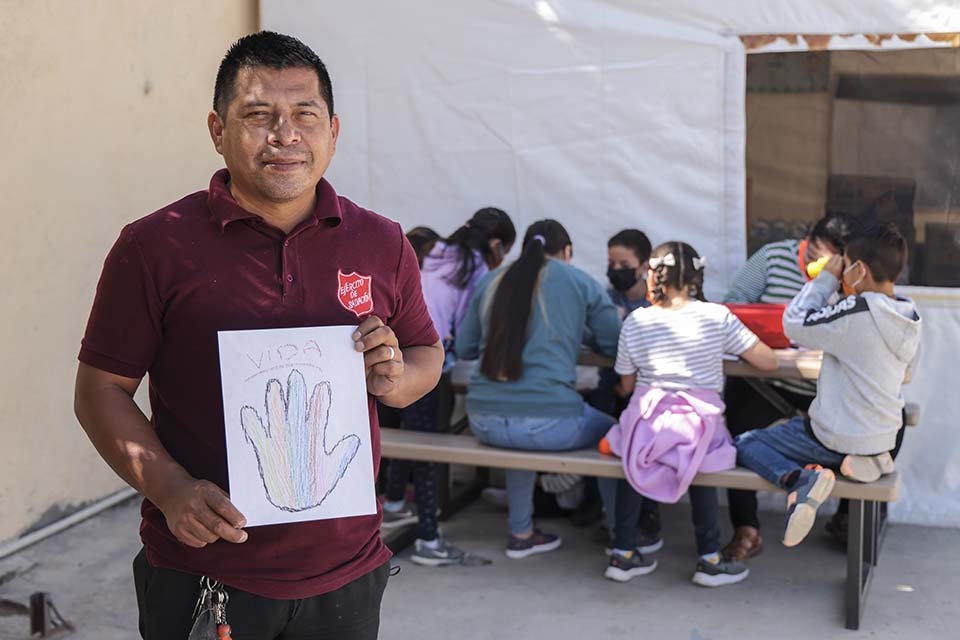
(670, 356)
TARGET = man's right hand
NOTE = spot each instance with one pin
(199, 513)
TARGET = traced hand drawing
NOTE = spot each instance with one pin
(297, 468)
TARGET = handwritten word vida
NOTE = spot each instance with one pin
(284, 353)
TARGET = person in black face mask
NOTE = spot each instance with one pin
(628, 255)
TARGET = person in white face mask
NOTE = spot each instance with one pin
(870, 342)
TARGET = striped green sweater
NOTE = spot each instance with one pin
(772, 276)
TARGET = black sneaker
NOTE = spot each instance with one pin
(623, 568)
(440, 556)
(720, 574)
(539, 542)
(646, 544)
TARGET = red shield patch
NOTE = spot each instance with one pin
(355, 292)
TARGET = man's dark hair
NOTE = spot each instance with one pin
(635, 240)
(880, 247)
(831, 228)
(272, 50)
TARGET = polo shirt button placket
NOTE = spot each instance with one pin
(284, 269)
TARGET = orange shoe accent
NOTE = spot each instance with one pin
(814, 467)
(604, 447)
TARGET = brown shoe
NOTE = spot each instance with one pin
(746, 543)
(838, 527)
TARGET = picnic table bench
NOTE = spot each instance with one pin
(867, 501)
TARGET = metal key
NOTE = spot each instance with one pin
(210, 613)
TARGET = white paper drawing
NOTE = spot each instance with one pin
(297, 424)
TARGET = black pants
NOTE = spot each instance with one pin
(419, 416)
(748, 410)
(704, 508)
(604, 399)
(167, 598)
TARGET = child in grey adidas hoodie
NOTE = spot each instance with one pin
(870, 342)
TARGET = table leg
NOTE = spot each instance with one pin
(857, 570)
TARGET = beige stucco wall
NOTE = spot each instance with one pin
(103, 108)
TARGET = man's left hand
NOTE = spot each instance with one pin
(382, 357)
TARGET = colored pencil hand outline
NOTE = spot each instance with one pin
(297, 467)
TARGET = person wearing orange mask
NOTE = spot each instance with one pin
(871, 343)
(773, 275)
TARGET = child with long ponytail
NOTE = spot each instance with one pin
(670, 357)
(526, 323)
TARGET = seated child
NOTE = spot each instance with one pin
(869, 340)
(628, 253)
(422, 239)
(673, 427)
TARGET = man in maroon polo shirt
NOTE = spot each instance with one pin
(269, 245)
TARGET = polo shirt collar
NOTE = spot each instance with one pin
(224, 209)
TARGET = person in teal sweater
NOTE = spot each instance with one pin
(525, 323)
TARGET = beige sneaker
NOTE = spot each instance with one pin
(867, 468)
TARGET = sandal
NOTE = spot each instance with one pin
(746, 543)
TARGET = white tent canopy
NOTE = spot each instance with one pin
(602, 115)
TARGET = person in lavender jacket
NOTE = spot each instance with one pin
(449, 274)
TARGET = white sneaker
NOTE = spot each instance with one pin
(867, 468)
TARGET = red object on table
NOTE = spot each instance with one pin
(765, 320)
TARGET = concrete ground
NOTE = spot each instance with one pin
(790, 594)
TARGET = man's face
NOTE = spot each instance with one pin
(278, 138)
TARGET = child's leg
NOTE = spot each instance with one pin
(422, 416)
(705, 508)
(779, 454)
(593, 426)
(780, 449)
(627, 510)
(608, 494)
(712, 569)
(626, 561)
(520, 483)
(398, 473)
(650, 516)
(425, 491)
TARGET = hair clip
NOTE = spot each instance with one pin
(539, 238)
(667, 261)
(699, 263)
